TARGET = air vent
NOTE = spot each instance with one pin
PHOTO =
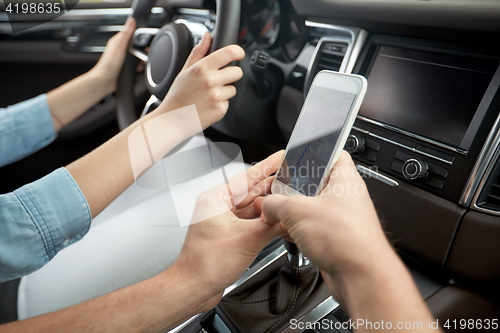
(490, 194)
(329, 55)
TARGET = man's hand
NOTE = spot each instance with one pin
(206, 81)
(339, 229)
(110, 64)
(219, 250)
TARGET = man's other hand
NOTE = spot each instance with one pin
(338, 230)
(219, 250)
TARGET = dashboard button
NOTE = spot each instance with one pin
(392, 137)
(440, 171)
(362, 126)
(377, 131)
(355, 144)
(434, 182)
(407, 143)
(372, 144)
(415, 168)
(411, 169)
(399, 155)
(397, 167)
(369, 155)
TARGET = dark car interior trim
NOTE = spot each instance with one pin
(461, 14)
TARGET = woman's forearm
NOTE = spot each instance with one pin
(106, 172)
(72, 99)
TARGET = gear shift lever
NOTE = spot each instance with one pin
(295, 257)
(287, 289)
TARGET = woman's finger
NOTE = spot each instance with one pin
(224, 56)
(229, 75)
(124, 36)
(243, 182)
(257, 205)
(228, 92)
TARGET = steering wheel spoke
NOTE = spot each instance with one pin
(152, 103)
(142, 37)
(196, 29)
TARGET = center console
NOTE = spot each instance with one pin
(261, 300)
(281, 287)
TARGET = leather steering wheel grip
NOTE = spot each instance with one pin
(125, 99)
(225, 33)
(141, 10)
(227, 25)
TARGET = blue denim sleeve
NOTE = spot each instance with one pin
(38, 220)
(25, 128)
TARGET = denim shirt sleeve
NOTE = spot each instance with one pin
(38, 220)
(25, 128)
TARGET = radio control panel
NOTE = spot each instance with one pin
(405, 158)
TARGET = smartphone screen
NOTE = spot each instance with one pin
(314, 139)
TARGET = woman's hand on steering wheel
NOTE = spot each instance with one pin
(206, 81)
(110, 64)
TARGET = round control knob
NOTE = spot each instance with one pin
(415, 168)
(355, 144)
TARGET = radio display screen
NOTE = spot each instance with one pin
(430, 94)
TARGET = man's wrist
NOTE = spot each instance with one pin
(197, 296)
(368, 264)
(373, 275)
(361, 259)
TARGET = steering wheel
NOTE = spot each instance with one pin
(169, 50)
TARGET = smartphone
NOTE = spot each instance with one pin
(320, 133)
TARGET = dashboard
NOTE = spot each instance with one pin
(429, 100)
